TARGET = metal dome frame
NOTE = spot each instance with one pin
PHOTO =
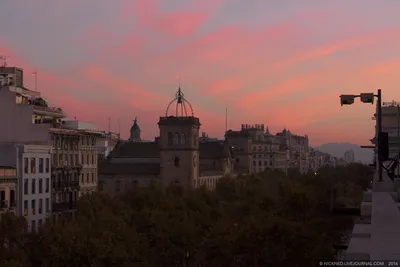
(180, 101)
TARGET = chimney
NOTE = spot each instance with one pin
(242, 126)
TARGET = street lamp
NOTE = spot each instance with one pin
(369, 98)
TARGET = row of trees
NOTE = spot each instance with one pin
(264, 220)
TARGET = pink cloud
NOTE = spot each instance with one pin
(177, 24)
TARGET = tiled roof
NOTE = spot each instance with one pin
(212, 150)
(136, 150)
(151, 150)
(107, 168)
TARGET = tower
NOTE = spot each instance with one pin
(135, 132)
(179, 143)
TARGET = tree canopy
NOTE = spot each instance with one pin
(268, 219)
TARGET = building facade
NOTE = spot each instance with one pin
(8, 189)
(33, 168)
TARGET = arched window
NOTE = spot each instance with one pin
(176, 139)
(183, 138)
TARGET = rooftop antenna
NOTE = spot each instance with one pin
(109, 124)
(119, 127)
(35, 73)
(226, 120)
(3, 60)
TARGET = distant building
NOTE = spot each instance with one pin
(349, 156)
(176, 157)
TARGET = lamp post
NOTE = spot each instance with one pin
(369, 98)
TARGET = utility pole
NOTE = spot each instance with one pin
(379, 135)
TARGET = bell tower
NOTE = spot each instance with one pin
(179, 143)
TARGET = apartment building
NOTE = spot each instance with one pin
(8, 189)
(32, 164)
(349, 156)
(30, 118)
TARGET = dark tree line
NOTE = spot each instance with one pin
(264, 220)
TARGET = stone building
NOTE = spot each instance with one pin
(175, 157)
(8, 189)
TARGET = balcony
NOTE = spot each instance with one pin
(64, 206)
(74, 185)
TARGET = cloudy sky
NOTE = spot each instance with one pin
(281, 63)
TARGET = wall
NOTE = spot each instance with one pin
(109, 184)
(16, 121)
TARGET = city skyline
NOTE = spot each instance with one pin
(277, 64)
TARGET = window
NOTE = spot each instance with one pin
(118, 186)
(176, 139)
(33, 186)
(254, 156)
(47, 165)
(33, 226)
(82, 158)
(265, 163)
(92, 178)
(183, 138)
(26, 187)
(40, 206)
(40, 185)
(87, 159)
(40, 224)
(170, 139)
(41, 165)
(26, 207)
(47, 185)
(83, 178)
(33, 165)
(87, 177)
(259, 163)
(47, 205)
(254, 163)
(26, 165)
(33, 206)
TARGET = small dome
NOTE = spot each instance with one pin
(179, 106)
(135, 126)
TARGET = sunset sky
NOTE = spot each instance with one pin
(281, 63)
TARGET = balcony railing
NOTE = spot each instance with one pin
(64, 206)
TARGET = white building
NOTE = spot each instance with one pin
(33, 165)
(104, 147)
(349, 156)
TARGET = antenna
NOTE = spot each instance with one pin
(35, 73)
(109, 124)
(119, 127)
(226, 120)
(3, 60)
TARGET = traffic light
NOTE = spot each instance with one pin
(383, 146)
